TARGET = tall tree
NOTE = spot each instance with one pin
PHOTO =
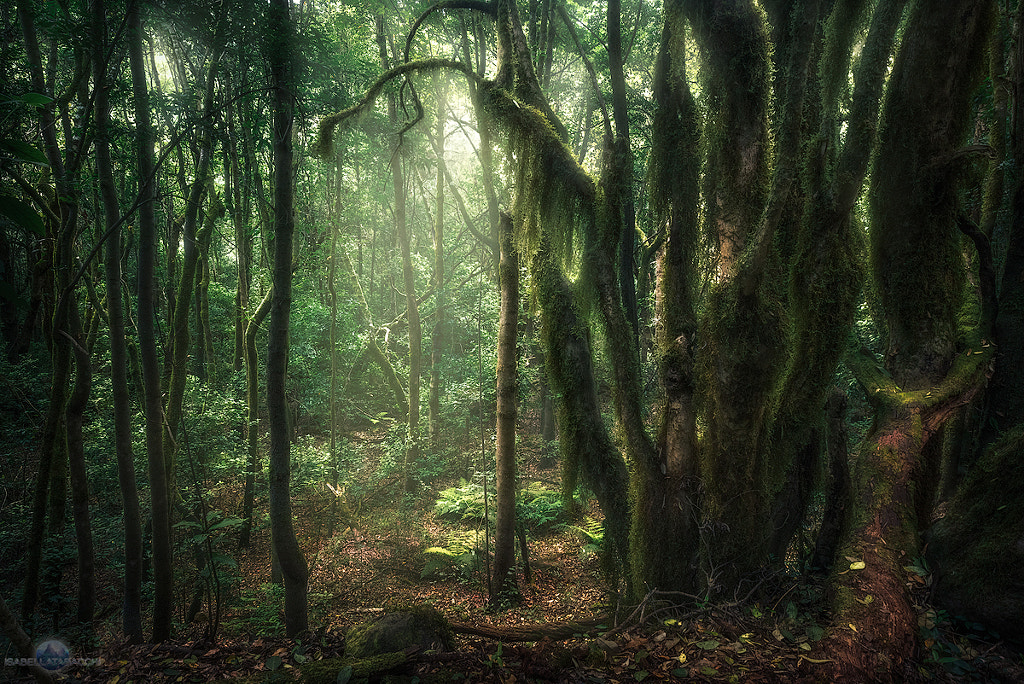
(132, 610)
(163, 571)
(279, 45)
(503, 580)
(412, 448)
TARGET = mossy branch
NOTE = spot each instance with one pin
(478, 5)
(325, 138)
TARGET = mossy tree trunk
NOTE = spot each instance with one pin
(666, 505)
(437, 337)
(252, 422)
(132, 609)
(975, 549)
(412, 448)
(163, 572)
(503, 585)
(917, 263)
(61, 229)
(280, 41)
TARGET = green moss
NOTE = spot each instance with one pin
(326, 671)
(399, 628)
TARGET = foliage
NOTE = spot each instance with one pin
(538, 507)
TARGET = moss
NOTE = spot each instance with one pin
(399, 628)
(326, 671)
(977, 549)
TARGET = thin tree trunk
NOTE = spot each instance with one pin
(437, 334)
(252, 403)
(132, 608)
(409, 282)
(286, 545)
(76, 466)
(503, 585)
(163, 572)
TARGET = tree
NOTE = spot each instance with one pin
(160, 509)
(279, 42)
(132, 612)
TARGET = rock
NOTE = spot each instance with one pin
(399, 629)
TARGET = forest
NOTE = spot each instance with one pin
(485, 340)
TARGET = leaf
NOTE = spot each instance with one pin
(641, 675)
(858, 565)
(23, 151)
(273, 663)
(36, 99)
(22, 214)
(814, 632)
(344, 674)
(680, 672)
(709, 645)
(226, 522)
(708, 671)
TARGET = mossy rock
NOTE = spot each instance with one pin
(399, 629)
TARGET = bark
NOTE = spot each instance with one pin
(827, 270)
(438, 281)
(976, 550)
(74, 411)
(925, 117)
(280, 40)
(622, 192)
(132, 607)
(666, 514)
(163, 573)
(66, 210)
(408, 279)
(504, 587)
(195, 241)
(252, 403)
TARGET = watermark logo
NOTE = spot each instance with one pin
(51, 655)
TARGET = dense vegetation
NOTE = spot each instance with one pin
(725, 294)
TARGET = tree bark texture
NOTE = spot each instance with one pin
(285, 543)
(163, 573)
(503, 585)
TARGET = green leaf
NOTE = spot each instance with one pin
(226, 522)
(36, 99)
(274, 663)
(709, 645)
(641, 675)
(858, 565)
(344, 674)
(22, 214)
(20, 149)
(708, 671)
(680, 672)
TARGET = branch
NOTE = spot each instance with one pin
(325, 139)
(478, 5)
(986, 272)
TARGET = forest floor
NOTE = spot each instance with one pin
(374, 561)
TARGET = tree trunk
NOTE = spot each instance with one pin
(408, 279)
(76, 466)
(163, 573)
(132, 609)
(437, 334)
(66, 210)
(918, 265)
(252, 423)
(280, 42)
(504, 587)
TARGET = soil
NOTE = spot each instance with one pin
(373, 562)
